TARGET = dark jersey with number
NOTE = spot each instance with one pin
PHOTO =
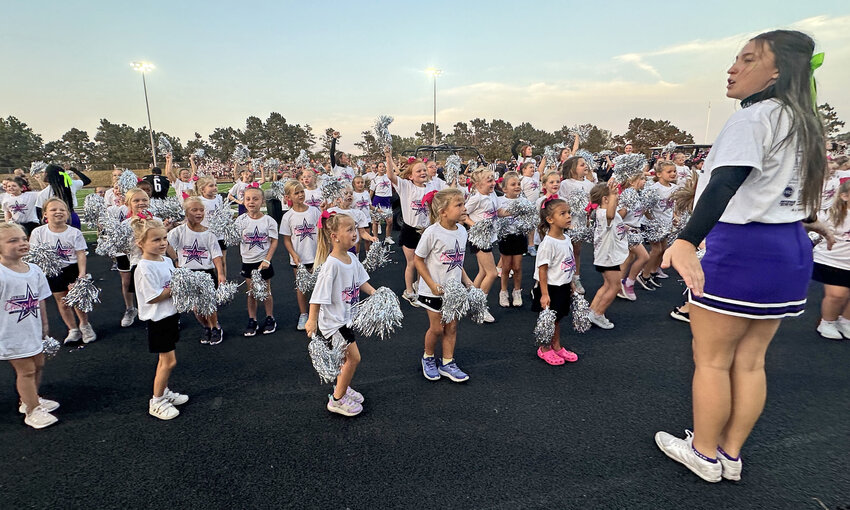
(159, 184)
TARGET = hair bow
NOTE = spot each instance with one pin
(194, 177)
(500, 180)
(842, 180)
(66, 178)
(815, 62)
(591, 207)
(411, 159)
(548, 199)
(145, 215)
(185, 195)
(139, 179)
(254, 185)
(325, 215)
(429, 197)
(424, 160)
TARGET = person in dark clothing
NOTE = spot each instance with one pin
(159, 183)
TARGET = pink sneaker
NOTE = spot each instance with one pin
(627, 291)
(567, 355)
(550, 357)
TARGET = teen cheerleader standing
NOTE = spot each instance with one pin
(761, 181)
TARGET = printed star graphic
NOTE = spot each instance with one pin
(314, 201)
(194, 253)
(18, 208)
(351, 295)
(62, 252)
(305, 230)
(419, 208)
(24, 306)
(568, 266)
(383, 185)
(621, 231)
(256, 239)
(453, 258)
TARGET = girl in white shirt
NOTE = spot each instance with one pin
(439, 258)
(300, 230)
(20, 206)
(381, 190)
(832, 268)
(665, 185)
(434, 181)
(345, 205)
(574, 172)
(638, 257)
(610, 248)
(337, 290)
(363, 202)
(156, 308)
(553, 275)
(236, 194)
(512, 246)
(312, 194)
(259, 234)
(530, 183)
(208, 193)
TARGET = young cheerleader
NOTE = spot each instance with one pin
(208, 193)
(236, 194)
(340, 161)
(23, 289)
(337, 290)
(512, 247)
(665, 180)
(137, 203)
(362, 201)
(638, 257)
(19, 206)
(553, 275)
(70, 248)
(153, 284)
(410, 186)
(530, 184)
(382, 192)
(59, 183)
(259, 242)
(832, 268)
(610, 248)
(344, 205)
(574, 172)
(183, 181)
(118, 210)
(439, 258)
(196, 248)
(312, 194)
(434, 181)
(299, 229)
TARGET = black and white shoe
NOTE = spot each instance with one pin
(679, 315)
(251, 328)
(652, 281)
(644, 283)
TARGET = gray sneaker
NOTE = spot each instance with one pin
(600, 321)
(682, 451)
(731, 468)
(129, 317)
(302, 322)
(344, 406)
(579, 286)
(40, 418)
(88, 333)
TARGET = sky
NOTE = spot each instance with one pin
(341, 64)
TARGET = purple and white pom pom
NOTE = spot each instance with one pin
(327, 356)
(378, 315)
(44, 256)
(544, 330)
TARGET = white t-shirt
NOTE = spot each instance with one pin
(443, 251)
(343, 172)
(43, 195)
(557, 255)
(65, 244)
(436, 184)
(369, 176)
(480, 207)
(195, 250)
(361, 220)
(20, 324)
(362, 202)
(313, 197)
(151, 278)
(135, 252)
(382, 186)
(180, 187)
(21, 207)
(413, 211)
(570, 185)
(118, 212)
(839, 255)
(663, 209)
(530, 186)
(633, 216)
(109, 197)
(683, 173)
(237, 191)
(210, 205)
(337, 289)
(256, 237)
(752, 137)
(303, 231)
(830, 191)
(610, 240)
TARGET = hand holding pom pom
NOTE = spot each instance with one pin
(545, 328)
(83, 295)
(478, 309)
(45, 257)
(378, 315)
(581, 313)
(259, 288)
(50, 346)
(455, 301)
(327, 355)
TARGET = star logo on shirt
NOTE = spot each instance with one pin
(419, 208)
(24, 306)
(256, 239)
(568, 266)
(383, 185)
(314, 201)
(351, 295)
(17, 208)
(490, 214)
(121, 215)
(452, 258)
(829, 193)
(362, 204)
(305, 230)
(666, 204)
(195, 253)
(533, 185)
(62, 252)
(622, 229)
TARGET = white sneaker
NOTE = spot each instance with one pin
(516, 297)
(302, 322)
(129, 317)
(388, 240)
(47, 405)
(731, 468)
(579, 287)
(828, 329)
(344, 406)
(498, 272)
(74, 335)
(682, 451)
(600, 321)
(88, 333)
(354, 395)
(175, 398)
(162, 409)
(488, 317)
(843, 326)
(503, 299)
(40, 418)
(660, 274)
(410, 297)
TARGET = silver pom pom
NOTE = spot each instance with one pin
(630, 200)
(478, 309)
(471, 165)
(378, 315)
(93, 207)
(44, 256)
(241, 154)
(259, 288)
(361, 165)
(167, 209)
(650, 198)
(525, 215)
(164, 146)
(199, 153)
(327, 356)
(481, 233)
(127, 181)
(381, 215)
(377, 257)
(455, 301)
(225, 293)
(193, 291)
(272, 165)
(50, 346)
(303, 159)
(656, 230)
(220, 222)
(332, 189)
(628, 166)
(276, 190)
(676, 227)
(452, 168)
(382, 134)
(545, 328)
(37, 167)
(581, 313)
(305, 280)
(635, 236)
(83, 295)
(670, 147)
(115, 237)
(579, 229)
(588, 158)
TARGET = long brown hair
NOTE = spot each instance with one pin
(838, 211)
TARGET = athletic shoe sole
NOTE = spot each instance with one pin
(453, 378)
(694, 471)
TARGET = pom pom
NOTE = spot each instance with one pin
(332, 189)
(44, 256)
(167, 209)
(579, 229)
(481, 234)
(545, 328)
(587, 156)
(551, 152)
(115, 237)
(259, 288)
(93, 207)
(381, 215)
(635, 236)
(815, 238)
(305, 280)
(378, 315)
(50, 346)
(670, 147)
(382, 134)
(650, 198)
(225, 293)
(581, 313)
(656, 230)
(676, 227)
(630, 200)
(276, 190)
(199, 153)
(452, 168)
(164, 145)
(525, 215)
(377, 257)
(241, 154)
(127, 181)
(37, 167)
(455, 301)
(628, 166)
(327, 355)
(273, 165)
(471, 166)
(83, 295)
(220, 222)
(193, 291)
(478, 309)
(361, 165)
(303, 159)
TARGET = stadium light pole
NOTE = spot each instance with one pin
(434, 72)
(144, 67)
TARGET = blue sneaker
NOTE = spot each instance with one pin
(429, 368)
(451, 371)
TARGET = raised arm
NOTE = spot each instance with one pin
(391, 168)
(334, 136)
(613, 200)
(82, 176)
